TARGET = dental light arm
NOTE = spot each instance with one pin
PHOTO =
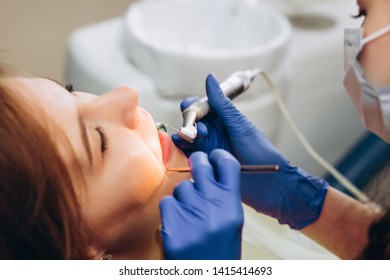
(236, 84)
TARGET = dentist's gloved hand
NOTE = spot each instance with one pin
(203, 220)
(292, 196)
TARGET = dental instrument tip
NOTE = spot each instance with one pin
(188, 133)
(163, 127)
(171, 127)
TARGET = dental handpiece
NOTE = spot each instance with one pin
(232, 87)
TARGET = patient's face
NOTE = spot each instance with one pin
(122, 155)
(375, 56)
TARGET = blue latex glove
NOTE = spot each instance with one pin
(292, 196)
(203, 220)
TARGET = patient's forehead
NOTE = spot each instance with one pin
(56, 110)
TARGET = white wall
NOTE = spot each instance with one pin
(33, 33)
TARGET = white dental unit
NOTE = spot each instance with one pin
(166, 48)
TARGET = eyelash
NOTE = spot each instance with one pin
(69, 87)
(362, 13)
(103, 137)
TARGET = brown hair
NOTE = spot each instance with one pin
(378, 247)
(39, 212)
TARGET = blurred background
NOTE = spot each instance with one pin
(33, 34)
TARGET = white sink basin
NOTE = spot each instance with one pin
(178, 42)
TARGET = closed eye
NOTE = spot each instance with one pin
(103, 139)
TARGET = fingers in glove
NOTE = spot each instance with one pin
(227, 167)
(168, 209)
(203, 173)
(219, 102)
(187, 102)
(223, 106)
(185, 192)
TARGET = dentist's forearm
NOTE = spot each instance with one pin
(343, 225)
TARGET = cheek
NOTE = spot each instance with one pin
(375, 56)
(375, 61)
(126, 189)
(139, 174)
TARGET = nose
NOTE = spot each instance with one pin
(118, 105)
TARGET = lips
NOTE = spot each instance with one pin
(166, 146)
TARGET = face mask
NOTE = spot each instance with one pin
(372, 104)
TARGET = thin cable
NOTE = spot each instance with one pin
(340, 177)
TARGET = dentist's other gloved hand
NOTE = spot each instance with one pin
(203, 219)
(292, 196)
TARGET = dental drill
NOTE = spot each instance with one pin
(236, 84)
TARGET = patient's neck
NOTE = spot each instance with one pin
(145, 249)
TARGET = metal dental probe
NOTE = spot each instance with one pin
(244, 169)
(236, 84)
(163, 127)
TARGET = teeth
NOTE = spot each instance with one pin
(161, 126)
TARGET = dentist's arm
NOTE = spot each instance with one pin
(203, 219)
(343, 225)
